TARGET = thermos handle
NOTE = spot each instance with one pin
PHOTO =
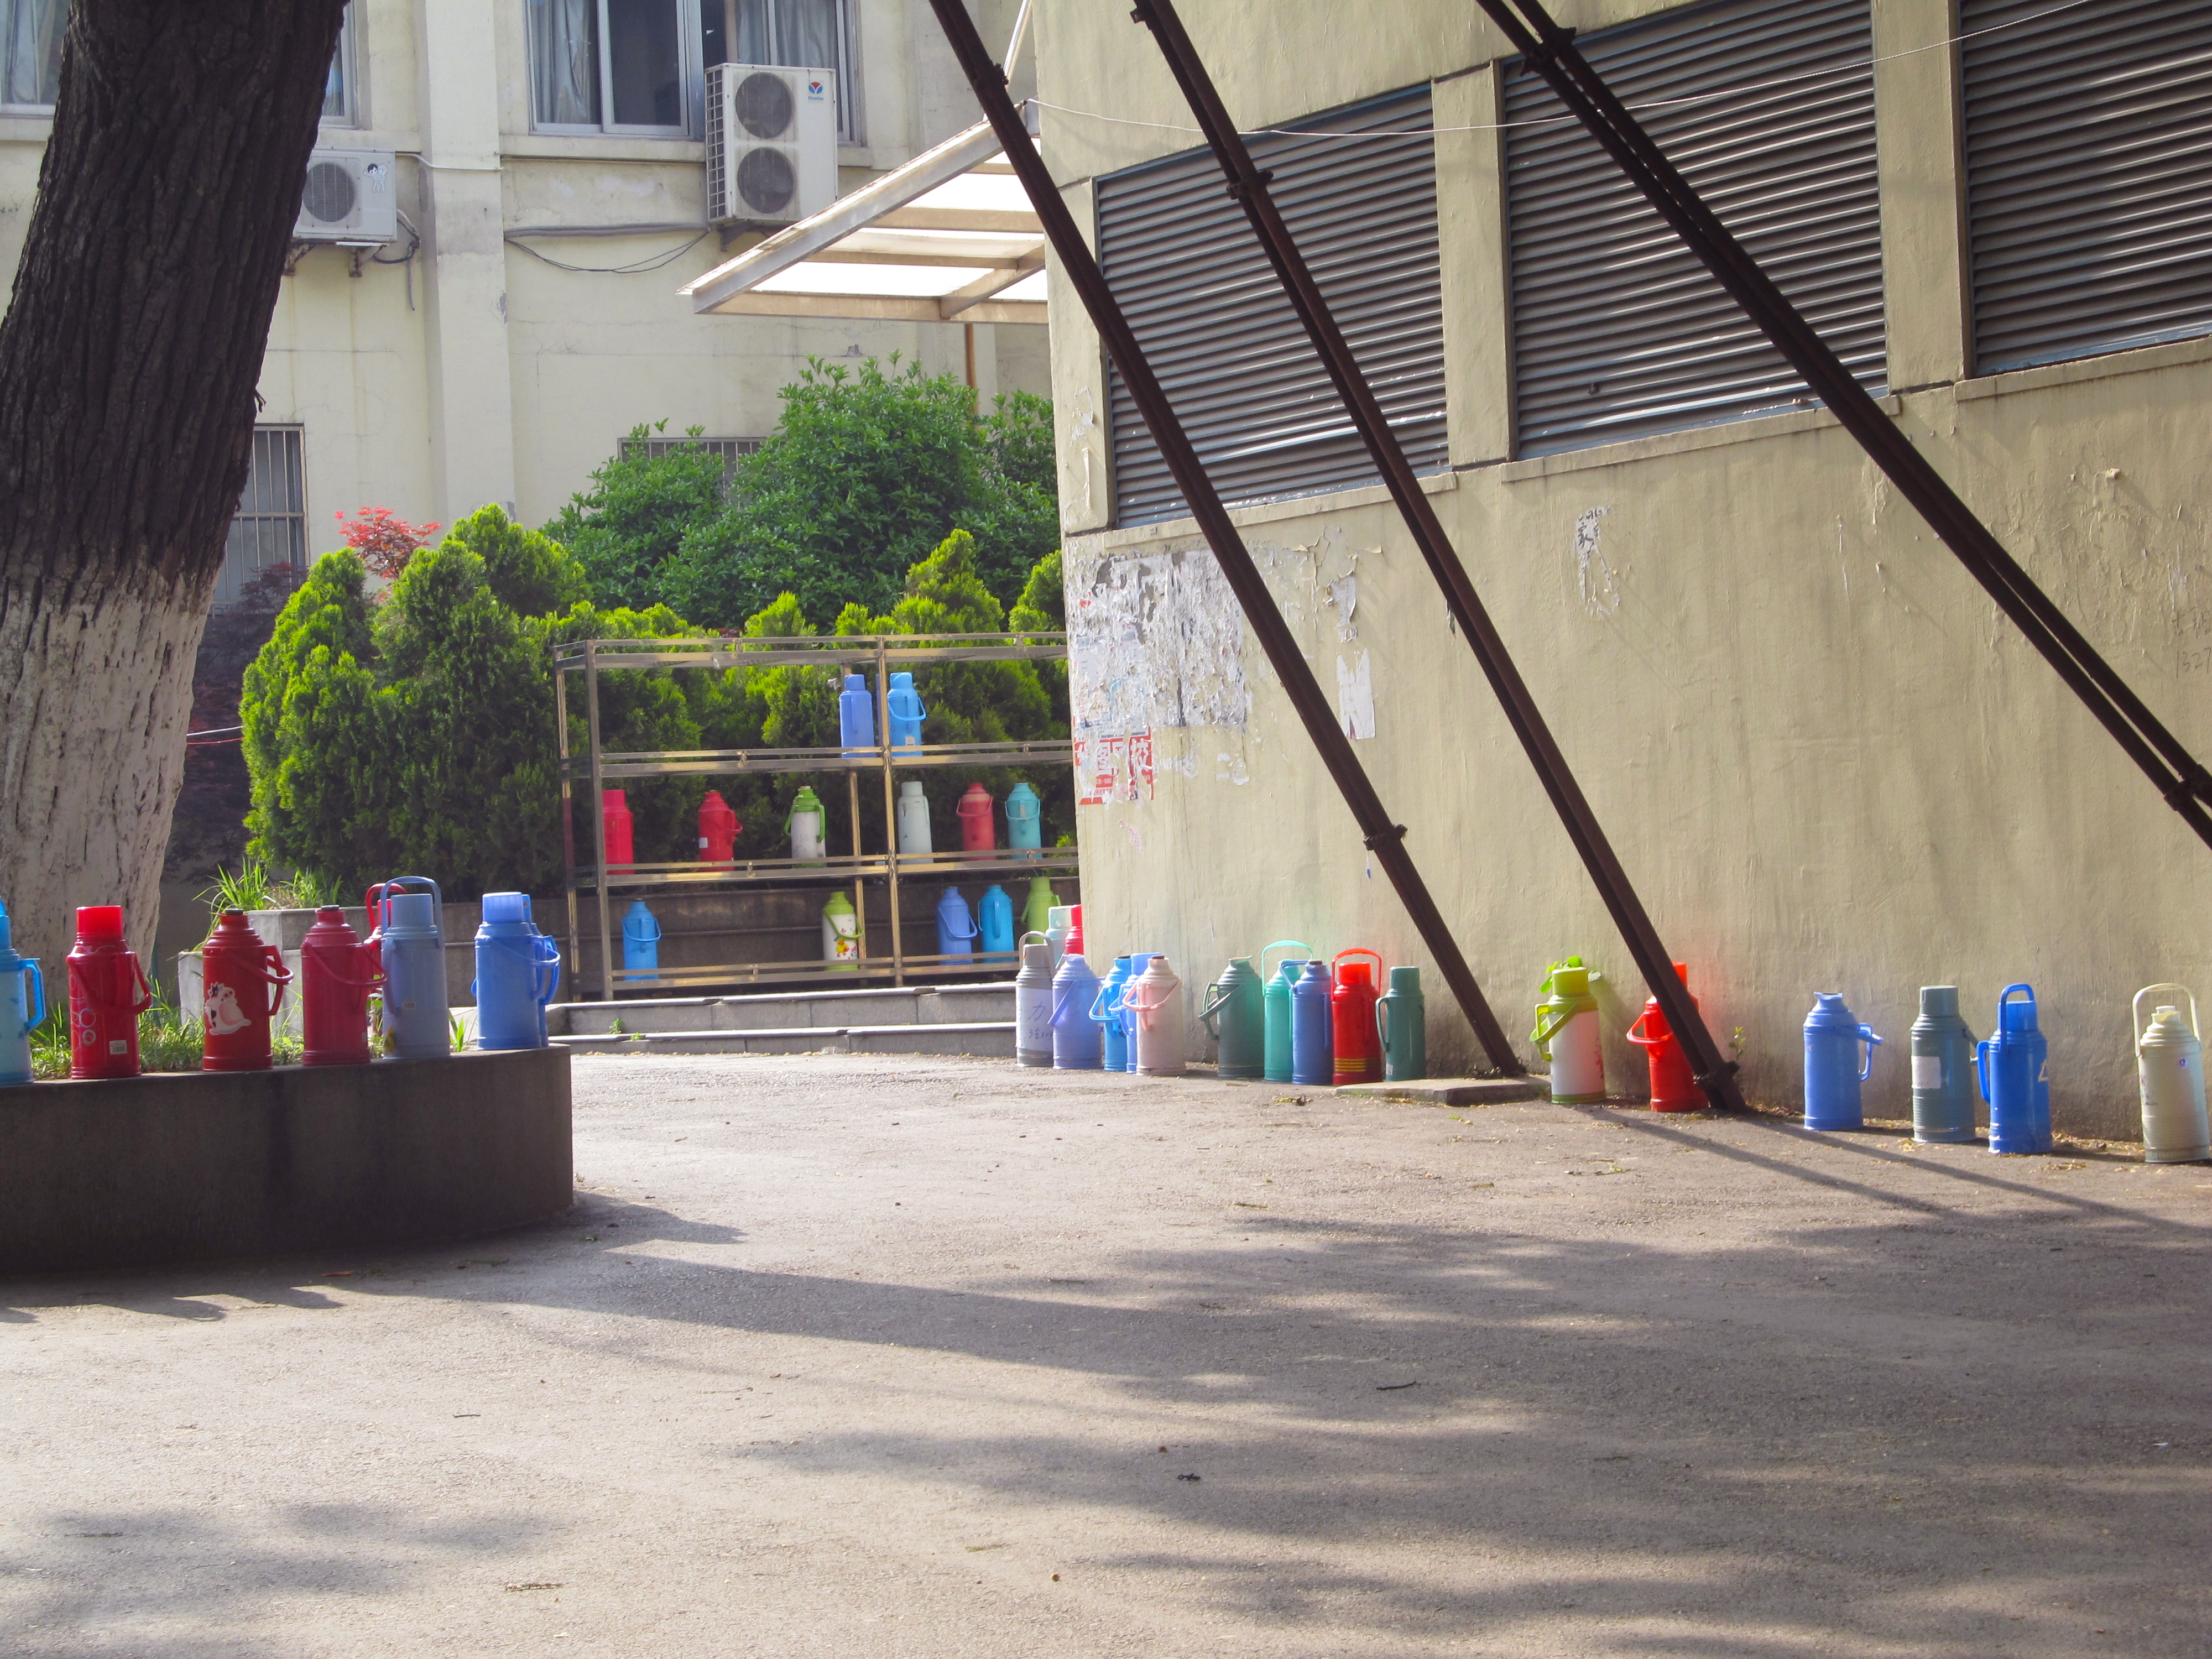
(1382, 1021)
(1982, 1068)
(1870, 1041)
(1099, 1002)
(38, 989)
(273, 957)
(1642, 1042)
(1267, 976)
(549, 957)
(2146, 990)
(1542, 1036)
(1214, 1004)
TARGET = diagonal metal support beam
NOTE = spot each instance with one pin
(1248, 184)
(1385, 838)
(2176, 773)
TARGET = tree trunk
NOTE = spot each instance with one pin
(128, 361)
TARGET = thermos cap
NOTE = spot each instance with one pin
(1830, 1013)
(2017, 1017)
(409, 916)
(1405, 981)
(507, 906)
(1939, 1002)
(854, 682)
(99, 924)
(613, 798)
(910, 789)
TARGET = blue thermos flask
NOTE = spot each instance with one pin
(517, 970)
(856, 716)
(641, 941)
(956, 927)
(1139, 961)
(995, 920)
(22, 1005)
(1076, 1038)
(1834, 1068)
(1313, 1049)
(1025, 829)
(411, 946)
(2014, 1070)
(903, 704)
(1106, 1009)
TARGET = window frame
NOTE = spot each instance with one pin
(291, 438)
(691, 71)
(852, 132)
(30, 111)
(731, 449)
(349, 57)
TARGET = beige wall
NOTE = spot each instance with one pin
(507, 379)
(1825, 758)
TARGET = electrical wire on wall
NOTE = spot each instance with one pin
(636, 267)
(407, 259)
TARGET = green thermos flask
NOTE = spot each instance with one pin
(1234, 1000)
(1276, 999)
(1401, 1018)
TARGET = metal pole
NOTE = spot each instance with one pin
(1248, 184)
(1383, 836)
(568, 808)
(2176, 773)
(890, 808)
(598, 817)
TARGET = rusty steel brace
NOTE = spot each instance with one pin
(1379, 832)
(1248, 185)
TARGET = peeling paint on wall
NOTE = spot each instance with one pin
(1600, 587)
(1077, 459)
(1355, 698)
(1154, 643)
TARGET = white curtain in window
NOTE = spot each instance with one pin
(801, 34)
(31, 50)
(564, 67)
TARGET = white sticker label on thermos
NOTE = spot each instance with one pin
(1928, 1071)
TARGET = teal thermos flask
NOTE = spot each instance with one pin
(1401, 1018)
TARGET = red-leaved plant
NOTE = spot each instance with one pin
(385, 541)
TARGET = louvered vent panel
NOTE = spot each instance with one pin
(1224, 340)
(2088, 176)
(1767, 107)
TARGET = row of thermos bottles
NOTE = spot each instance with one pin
(1311, 1022)
(1954, 1075)
(402, 964)
(961, 931)
(807, 824)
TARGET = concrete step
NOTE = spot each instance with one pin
(992, 1039)
(792, 1011)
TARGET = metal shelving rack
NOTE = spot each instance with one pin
(850, 653)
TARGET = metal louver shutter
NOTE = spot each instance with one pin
(1767, 107)
(1223, 337)
(2088, 176)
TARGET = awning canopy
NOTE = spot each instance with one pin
(948, 238)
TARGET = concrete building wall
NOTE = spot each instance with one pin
(483, 373)
(1824, 756)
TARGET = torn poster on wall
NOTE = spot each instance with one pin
(1121, 767)
(1154, 640)
(1355, 697)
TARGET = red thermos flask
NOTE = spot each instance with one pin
(243, 980)
(109, 990)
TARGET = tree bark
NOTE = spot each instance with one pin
(128, 361)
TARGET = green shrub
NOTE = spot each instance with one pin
(634, 516)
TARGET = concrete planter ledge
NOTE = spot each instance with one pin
(1456, 1090)
(186, 1166)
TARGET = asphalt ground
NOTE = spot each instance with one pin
(860, 1357)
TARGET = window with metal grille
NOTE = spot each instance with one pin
(271, 530)
(728, 449)
(1223, 339)
(1767, 107)
(2089, 136)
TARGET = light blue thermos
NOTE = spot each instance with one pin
(1945, 1092)
(1275, 1007)
(1313, 1047)
(1076, 1038)
(856, 716)
(22, 1005)
(1025, 829)
(903, 704)
(1833, 1069)
(1106, 1009)
(995, 923)
(956, 926)
(2013, 1071)
(1401, 1016)
(518, 971)
(412, 945)
(641, 941)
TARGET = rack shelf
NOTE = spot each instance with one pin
(840, 655)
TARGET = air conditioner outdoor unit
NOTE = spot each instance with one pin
(771, 143)
(349, 199)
